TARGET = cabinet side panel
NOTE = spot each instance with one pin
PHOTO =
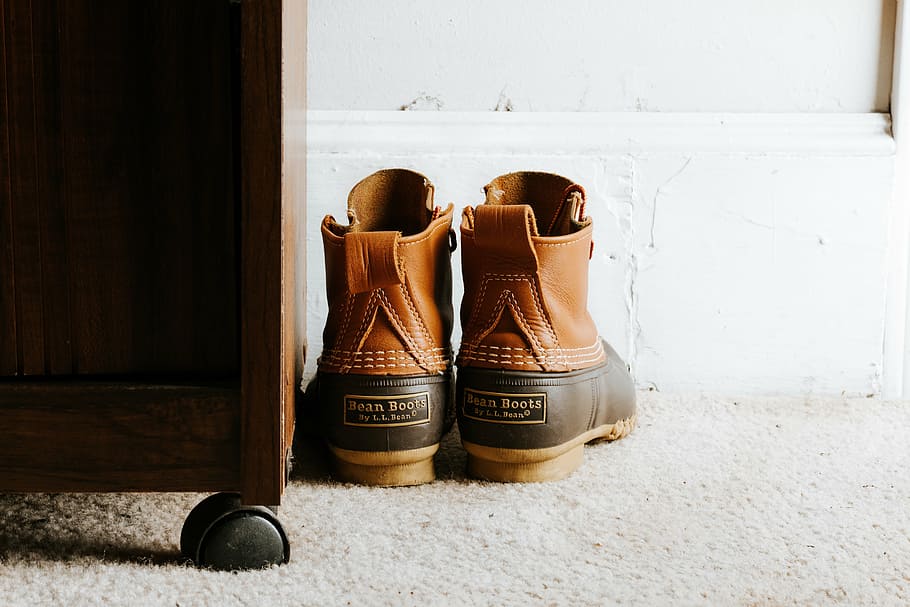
(147, 146)
(294, 58)
(267, 368)
(8, 358)
(24, 211)
(49, 169)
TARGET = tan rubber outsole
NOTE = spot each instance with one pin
(385, 468)
(539, 465)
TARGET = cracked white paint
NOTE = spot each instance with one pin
(630, 290)
(767, 273)
(657, 194)
(740, 294)
(424, 101)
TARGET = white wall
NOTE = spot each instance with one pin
(601, 55)
(746, 253)
(740, 254)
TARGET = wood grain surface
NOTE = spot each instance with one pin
(267, 253)
(294, 60)
(145, 233)
(116, 436)
(9, 360)
(120, 219)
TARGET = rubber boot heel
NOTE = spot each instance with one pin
(385, 430)
(385, 468)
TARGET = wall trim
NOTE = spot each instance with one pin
(457, 133)
(896, 345)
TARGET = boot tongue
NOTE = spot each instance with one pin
(396, 200)
(555, 201)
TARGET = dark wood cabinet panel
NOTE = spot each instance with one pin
(8, 335)
(119, 437)
(21, 123)
(147, 244)
(121, 247)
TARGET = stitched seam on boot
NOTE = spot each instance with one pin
(397, 322)
(429, 351)
(498, 308)
(364, 357)
(550, 357)
(534, 286)
(421, 358)
(369, 317)
(474, 358)
(515, 307)
(412, 365)
(507, 298)
(558, 244)
(348, 308)
(582, 351)
(478, 303)
(469, 353)
(370, 356)
(427, 237)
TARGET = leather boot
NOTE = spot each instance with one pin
(535, 382)
(384, 381)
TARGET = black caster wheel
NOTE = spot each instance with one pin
(221, 533)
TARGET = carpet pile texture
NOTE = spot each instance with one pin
(710, 501)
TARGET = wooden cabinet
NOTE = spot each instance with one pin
(147, 245)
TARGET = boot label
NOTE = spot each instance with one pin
(386, 411)
(501, 408)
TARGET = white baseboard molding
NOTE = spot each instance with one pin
(351, 132)
(743, 253)
(897, 323)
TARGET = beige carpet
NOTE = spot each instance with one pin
(709, 501)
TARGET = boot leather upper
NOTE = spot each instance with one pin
(388, 280)
(525, 255)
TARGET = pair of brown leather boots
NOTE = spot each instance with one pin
(534, 382)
